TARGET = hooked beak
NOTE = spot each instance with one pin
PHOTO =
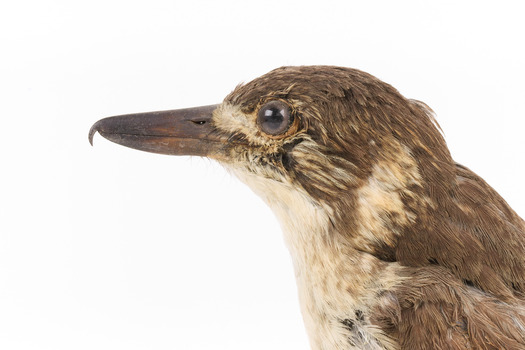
(186, 131)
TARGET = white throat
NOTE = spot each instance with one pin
(332, 280)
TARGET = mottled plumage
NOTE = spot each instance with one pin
(395, 246)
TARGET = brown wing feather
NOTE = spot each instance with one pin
(433, 310)
(499, 229)
(465, 287)
(475, 234)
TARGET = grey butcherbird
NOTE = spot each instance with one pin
(395, 246)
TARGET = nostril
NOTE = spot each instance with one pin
(198, 122)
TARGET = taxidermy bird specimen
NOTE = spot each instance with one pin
(394, 245)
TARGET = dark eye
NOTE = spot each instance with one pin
(275, 118)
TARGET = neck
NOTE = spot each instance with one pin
(333, 278)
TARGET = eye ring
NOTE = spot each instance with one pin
(276, 119)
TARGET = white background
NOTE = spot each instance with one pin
(110, 248)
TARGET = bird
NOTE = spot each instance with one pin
(394, 245)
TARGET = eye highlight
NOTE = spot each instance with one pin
(275, 119)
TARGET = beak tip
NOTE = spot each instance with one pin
(92, 133)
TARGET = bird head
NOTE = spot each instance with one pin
(341, 138)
